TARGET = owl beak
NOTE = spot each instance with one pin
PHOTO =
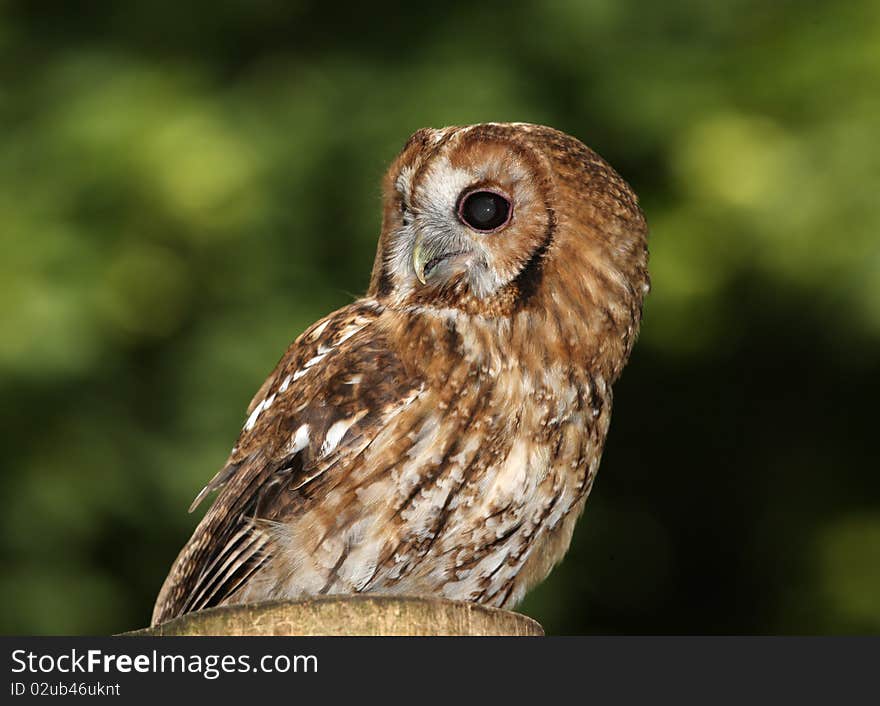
(429, 254)
(420, 257)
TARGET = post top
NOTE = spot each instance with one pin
(369, 615)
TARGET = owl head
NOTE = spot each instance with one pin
(501, 219)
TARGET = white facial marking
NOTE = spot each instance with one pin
(432, 212)
(403, 184)
(431, 218)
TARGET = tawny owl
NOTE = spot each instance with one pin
(439, 436)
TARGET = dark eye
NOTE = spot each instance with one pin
(484, 210)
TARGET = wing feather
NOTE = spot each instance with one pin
(288, 441)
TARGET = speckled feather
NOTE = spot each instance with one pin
(438, 437)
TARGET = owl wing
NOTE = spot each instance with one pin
(332, 393)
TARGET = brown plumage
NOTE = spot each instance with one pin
(440, 435)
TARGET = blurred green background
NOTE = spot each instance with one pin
(185, 186)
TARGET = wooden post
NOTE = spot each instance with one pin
(350, 615)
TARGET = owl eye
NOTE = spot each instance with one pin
(484, 211)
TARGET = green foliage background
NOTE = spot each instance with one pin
(184, 186)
